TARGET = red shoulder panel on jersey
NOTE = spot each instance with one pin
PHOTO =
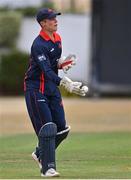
(45, 36)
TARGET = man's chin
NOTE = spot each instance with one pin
(55, 29)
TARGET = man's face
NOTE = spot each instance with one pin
(49, 24)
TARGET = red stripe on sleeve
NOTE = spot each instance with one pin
(42, 78)
(41, 89)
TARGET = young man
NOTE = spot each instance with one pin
(43, 98)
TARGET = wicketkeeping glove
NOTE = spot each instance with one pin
(74, 87)
(66, 63)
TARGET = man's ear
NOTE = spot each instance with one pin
(42, 23)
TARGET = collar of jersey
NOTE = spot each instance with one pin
(45, 36)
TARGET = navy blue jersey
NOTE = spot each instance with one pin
(42, 73)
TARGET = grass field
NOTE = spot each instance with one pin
(99, 145)
(82, 155)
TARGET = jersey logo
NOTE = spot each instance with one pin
(52, 50)
(41, 57)
(41, 100)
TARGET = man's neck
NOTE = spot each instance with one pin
(50, 34)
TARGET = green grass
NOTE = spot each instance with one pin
(83, 155)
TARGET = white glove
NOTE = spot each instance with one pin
(66, 63)
(73, 87)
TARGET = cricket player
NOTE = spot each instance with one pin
(42, 95)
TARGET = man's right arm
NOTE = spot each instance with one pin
(40, 56)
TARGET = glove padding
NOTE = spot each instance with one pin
(73, 87)
(66, 63)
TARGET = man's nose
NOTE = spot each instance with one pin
(55, 20)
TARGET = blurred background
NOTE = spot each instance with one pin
(99, 33)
